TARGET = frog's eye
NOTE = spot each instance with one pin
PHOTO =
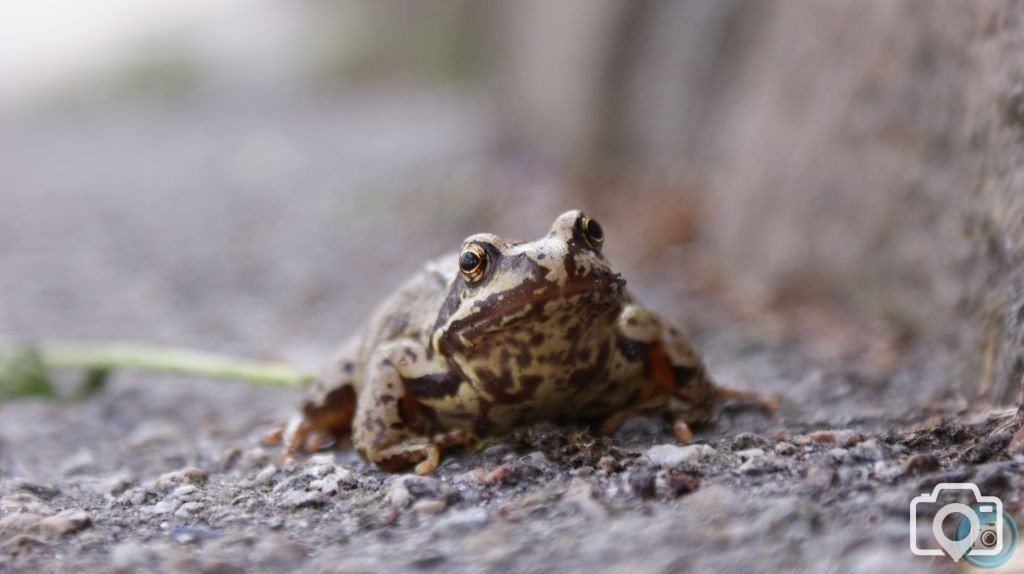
(592, 231)
(473, 262)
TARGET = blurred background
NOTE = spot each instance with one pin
(250, 175)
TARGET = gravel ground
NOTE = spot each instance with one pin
(190, 225)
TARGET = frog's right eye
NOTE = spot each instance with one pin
(473, 262)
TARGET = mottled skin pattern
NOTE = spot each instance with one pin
(503, 335)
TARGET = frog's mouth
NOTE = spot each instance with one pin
(592, 296)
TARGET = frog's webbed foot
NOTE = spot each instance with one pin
(391, 427)
(326, 411)
(612, 424)
(675, 410)
(678, 383)
(424, 453)
(762, 401)
(298, 435)
(293, 435)
(651, 407)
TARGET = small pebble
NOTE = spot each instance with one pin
(763, 465)
(37, 489)
(750, 453)
(265, 476)
(679, 483)
(67, 522)
(321, 459)
(747, 440)
(429, 506)
(919, 464)
(641, 482)
(303, 499)
(319, 471)
(537, 460)
(608, 464)
(116, 484)
(188, 509)
(135, 496)
(842, 437)
(184, 491)
(407, 488)
(162, 507)
(581, 493)
(24, 502)
(886, 470)
(672, 455)
(496, 450)
(785, 448)
(289, 465)
(838, 456)
(869, 450)
(19, 522)
(255, 457)
(583, 471)
(333, 483)
(230, 457)
(188, 475)
(463, 521)
(499, 474)
(399, 495)
(801, 440)
(475, 476)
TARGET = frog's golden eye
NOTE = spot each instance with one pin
(473, 262)
(592, 231)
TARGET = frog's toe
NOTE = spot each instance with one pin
(682, 431)
(422, 452)
(317, 440)
(274, 436)
(458, 437)
(762, 401)
(398, 457)
(428, 464)
(612, 424)
(294, 436)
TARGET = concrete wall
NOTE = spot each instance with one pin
(874, 148)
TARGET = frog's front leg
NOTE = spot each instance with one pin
(391, 426)
(327, 406)
(676, 381)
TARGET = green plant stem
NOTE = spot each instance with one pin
(113, 356)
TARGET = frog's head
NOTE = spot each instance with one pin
(529, 290)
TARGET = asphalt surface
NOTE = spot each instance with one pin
(269, 230)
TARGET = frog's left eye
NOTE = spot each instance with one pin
(473, 262)
(592, 231)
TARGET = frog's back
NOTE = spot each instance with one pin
(411, 311)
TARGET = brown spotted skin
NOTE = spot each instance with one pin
(546, 331)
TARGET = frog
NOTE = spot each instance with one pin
(501, 335)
